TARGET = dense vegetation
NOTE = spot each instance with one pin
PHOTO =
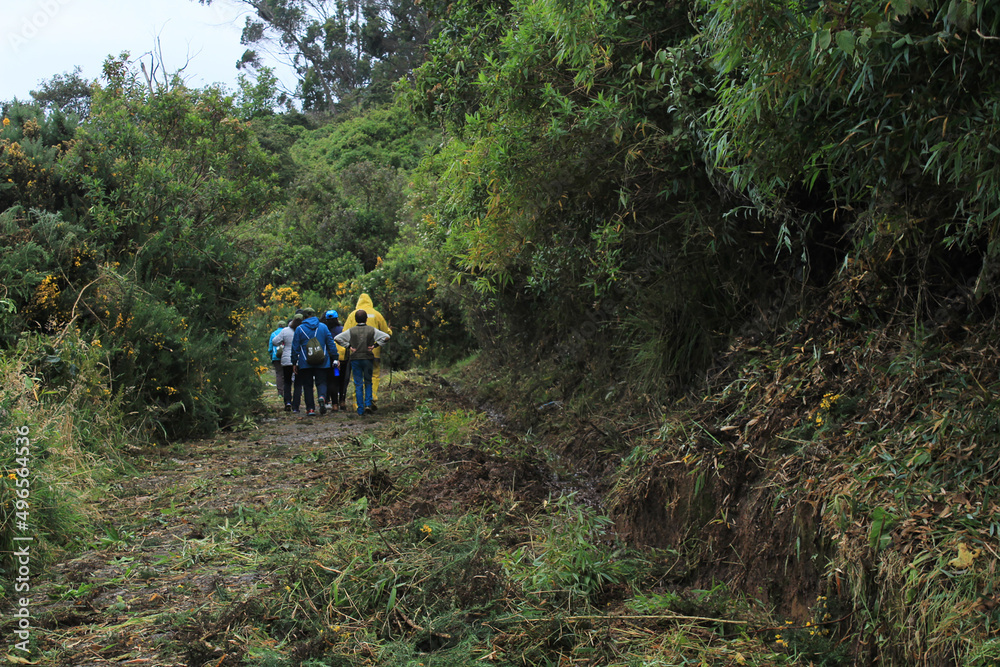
(697, 219)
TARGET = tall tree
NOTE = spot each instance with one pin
(341, 50)
(69, 92)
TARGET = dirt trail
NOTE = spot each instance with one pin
(122, 601)
(190, 545)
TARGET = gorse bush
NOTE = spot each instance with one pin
(139, 256)
(125, 302)
(31, 144)
(320, 271)
(182, 377)
(425, 313)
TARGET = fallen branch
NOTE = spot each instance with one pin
(632, 617)
(655, 617)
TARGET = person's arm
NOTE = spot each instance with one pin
(343, 338)
(381, 337)
(295, 351)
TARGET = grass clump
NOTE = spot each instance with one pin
(67, 438)
(573, 554)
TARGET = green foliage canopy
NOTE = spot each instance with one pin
(885, 104)
(574, 192)
(345, 204)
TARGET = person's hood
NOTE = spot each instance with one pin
(311, 324)
(365, 303)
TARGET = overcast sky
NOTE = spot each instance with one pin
(42, 38)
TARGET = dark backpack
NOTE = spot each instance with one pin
(315, 352)
(278, 349)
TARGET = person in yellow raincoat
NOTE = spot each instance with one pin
(376, 320)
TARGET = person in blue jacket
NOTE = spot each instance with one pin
(305, 372)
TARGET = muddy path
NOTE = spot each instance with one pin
(118, 602)
(181, 540)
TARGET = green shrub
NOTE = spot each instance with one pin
(316, 270)
(411, 291)
(183, 377)
(131, 244)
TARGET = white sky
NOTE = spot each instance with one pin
(42, 38)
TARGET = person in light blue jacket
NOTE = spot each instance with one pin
(305, 372)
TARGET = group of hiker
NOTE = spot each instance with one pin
(317, 351)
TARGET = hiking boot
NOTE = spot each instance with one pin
(361, 412)
(322, 408)
(288, 407)
(372, 407)
(343, 406)
(311, 413)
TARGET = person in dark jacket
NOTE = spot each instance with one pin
(305, 372)
(336, 378)
(362, 340)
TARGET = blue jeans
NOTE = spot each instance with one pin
(361, 371)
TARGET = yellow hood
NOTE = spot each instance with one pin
(375, 318)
